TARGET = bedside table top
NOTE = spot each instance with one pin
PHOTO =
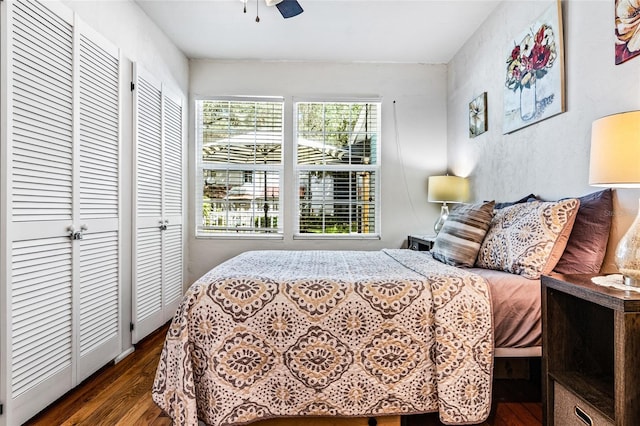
(580, 285)
(425, 237)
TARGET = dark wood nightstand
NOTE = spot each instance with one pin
(590, 353)
(421, 242)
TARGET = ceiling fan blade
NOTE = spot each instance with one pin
(288, 8)
(272, 2)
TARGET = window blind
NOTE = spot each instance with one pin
(337, 167)
(241, 142)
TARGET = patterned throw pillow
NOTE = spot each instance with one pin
(459, 239)
(529, 238)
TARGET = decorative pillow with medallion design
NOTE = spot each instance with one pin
(528, 239)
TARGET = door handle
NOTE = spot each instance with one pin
(76, 235)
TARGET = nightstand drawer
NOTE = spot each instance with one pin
(415, 245)
(569, 410)
(421, 242)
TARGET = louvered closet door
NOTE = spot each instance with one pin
(98, 336)
(40, 200)
(147, 254)
(172, 260)
(158, 253)
(63, 177)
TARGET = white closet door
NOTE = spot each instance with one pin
(147, 254)
(40, 203)
(63, 177)
(159, 163)
(172, 203)
(98, 297)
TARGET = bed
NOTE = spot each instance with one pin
(285, 334)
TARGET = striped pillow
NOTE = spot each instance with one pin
(458, 242)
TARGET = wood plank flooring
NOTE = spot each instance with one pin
(120, 395)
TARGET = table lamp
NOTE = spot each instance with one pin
(446, 189)
(615, 163)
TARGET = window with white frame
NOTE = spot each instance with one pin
(240, 142)
(337, 167)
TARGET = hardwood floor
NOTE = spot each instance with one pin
(120, 395)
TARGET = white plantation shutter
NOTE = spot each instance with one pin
(99, 204)
(63, 162)
(147, 253)
(98, 295)
(172, 155)
(148, 273)
(158, 248)
(42, 114)
(99, 131)
(41, 312)
(149, 147)
(172, 255)
(172, 202)
(40, 146)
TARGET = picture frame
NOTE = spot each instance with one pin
(534, 87)
(626, 27)
(478, 115)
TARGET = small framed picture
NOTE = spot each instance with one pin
(478, 115)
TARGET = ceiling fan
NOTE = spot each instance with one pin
(287, 8)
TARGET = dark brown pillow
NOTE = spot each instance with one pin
(525, 199)
(587, 243)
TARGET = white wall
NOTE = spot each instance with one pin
(420, 95)
(549, 158)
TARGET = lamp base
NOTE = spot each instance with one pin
(444, 214)
(628, 253)
(630, 281)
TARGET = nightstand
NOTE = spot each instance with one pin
(421, 242)
(590, 353)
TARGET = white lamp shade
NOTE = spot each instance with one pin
(448, 189)
(615, 151)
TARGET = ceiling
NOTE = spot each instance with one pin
(396, 31)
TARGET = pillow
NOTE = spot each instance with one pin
(587, 243)
(459, 240)
(529, 238)
(525, 199)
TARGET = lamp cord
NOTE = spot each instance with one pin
(401, 157)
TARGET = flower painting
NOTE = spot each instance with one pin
(627, 29)
(534, 80)
(478, 115)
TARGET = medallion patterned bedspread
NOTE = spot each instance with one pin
(338, 333)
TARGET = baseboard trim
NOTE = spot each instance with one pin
(123, 355)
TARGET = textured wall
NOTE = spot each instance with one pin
(418, 151)
(549, 158)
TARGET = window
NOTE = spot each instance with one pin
(337, 167)
(334, 180)
(240, 160)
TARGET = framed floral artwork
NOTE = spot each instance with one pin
(478, 116)
(627, 30)
(534, 72)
